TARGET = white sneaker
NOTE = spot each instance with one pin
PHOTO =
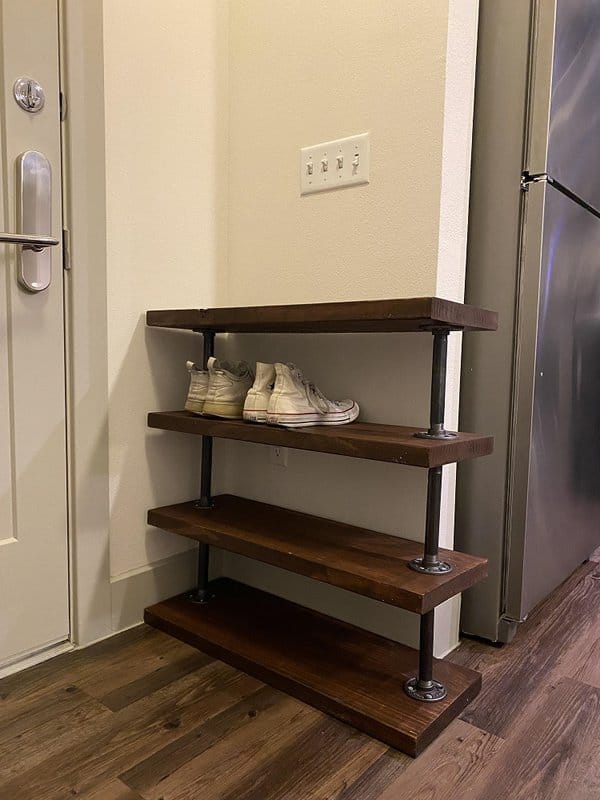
(228, 385)
(257, 399)
(198, 388)
(296, 403)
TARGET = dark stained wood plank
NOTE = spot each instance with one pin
(318, 763)
(120, 658)
(395, 444)
(153, 770)
(553, 753)
(477, 654)
(20, 685)
(363, 561)
(347, 672)
(552, 736)
(380, 774)
(132, 663)
(145, 686)
(28, 748)
(582, 660)
(215, 772)
(132, 734)
(449, 768)
(40, 708)
(518, 671)
(114, 790)
(406, 314)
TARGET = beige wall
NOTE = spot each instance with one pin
(307, 72)
(200, 125)
(165, 132)
(301, 73)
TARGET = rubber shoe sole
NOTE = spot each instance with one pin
(223, 410)
(342, 417)
(195, 406)
(258, 415)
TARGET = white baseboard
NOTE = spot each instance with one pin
(133, 591)
(32, 659)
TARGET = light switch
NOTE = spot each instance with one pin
(342, 162)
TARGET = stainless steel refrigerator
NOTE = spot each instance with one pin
(533, 508)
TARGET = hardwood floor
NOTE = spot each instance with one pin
(144, 717)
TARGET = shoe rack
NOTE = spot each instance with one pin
(403, 696)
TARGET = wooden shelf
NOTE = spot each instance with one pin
(363, 316)
(362, 561)
(392, 443)
(345, 671)
(342, 670)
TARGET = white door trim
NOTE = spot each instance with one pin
(82, 79)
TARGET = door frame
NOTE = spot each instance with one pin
(101, 604)
(86, 329)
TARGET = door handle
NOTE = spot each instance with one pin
(34, 214)
(29, 240)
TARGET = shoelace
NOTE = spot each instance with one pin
(313, 394)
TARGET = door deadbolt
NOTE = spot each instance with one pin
(29, 95)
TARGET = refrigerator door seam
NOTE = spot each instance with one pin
(512, 459)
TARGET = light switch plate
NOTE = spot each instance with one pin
(330, 165)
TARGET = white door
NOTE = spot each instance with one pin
(34, 578)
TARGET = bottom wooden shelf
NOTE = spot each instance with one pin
(345, 671)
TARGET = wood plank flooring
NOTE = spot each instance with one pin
(144, 717)
(344, 671)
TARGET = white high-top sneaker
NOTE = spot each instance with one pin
(257, 399)
(296, 403)
(198, 388)
(228, 385)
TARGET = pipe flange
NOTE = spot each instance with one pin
(200, 597)
(204, 503)
(426, 694)
(437, 435)
(441, 568)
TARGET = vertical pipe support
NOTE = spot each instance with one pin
(430, 562)
(423, 687)
(437, 410)
(201, 594)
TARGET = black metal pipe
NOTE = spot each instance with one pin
(208, 347)
(423, 686)
(206, 473)
(208, 350)
(432, 520)
(201, 593)
(425, 681)
(438, 383)
(430, 562)
(437, 407)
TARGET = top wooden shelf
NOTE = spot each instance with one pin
(362, 316)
